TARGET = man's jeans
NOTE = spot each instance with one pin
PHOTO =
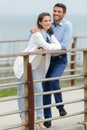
(56, 69)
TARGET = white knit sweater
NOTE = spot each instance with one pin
(35, 42)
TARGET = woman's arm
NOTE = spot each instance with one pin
(38, 38)
(55, 41)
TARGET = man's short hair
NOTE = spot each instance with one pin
(62, 6)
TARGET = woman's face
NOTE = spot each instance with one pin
(46, 23)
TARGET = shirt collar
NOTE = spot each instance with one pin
(60, 24)
(44, 34)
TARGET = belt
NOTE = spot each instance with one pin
(57, 57)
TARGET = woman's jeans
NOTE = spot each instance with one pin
(37, 89)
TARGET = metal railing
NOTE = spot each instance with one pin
(29, 92)
(73, 56)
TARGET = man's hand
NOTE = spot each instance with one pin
(35, 30)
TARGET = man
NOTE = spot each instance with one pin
(63, 32)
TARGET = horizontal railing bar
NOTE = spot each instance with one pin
(5, 68)
(11, 68)
(61, 90)
(41, 52)
(8, 87)
(44, 93)
(13, 126)
(12, 112)
(8, 78)
(6, 60)
(11, 84)
(24, 40)
(13, 77)
(72, 62)
(74, 53)
(62, 77)
(19, 40)
(57, 51)
(58, 104)
(48, 79)
(59, 117)
(12, 98)
(70, 70)
(42, 120)
(46, 106)
(77, 37)
(71, 78)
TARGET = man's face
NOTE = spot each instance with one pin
(58, 14)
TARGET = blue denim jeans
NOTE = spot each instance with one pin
(37, 89)
(56, 69)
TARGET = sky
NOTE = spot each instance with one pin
(26, 7)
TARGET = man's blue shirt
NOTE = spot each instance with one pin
(63, 32)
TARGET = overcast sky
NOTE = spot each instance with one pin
(37, 6)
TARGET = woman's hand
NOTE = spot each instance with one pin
(41, 49)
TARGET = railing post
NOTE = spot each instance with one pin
(30, 98)
(73, 61)
(85, 84)
(29, 92)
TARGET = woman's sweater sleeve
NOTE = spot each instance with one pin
(42, 43)
(55, 41)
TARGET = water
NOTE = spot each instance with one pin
(18, 27)
(15, 27)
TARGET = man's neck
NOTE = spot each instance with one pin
(56, 22)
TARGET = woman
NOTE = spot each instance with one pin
(36, 41)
